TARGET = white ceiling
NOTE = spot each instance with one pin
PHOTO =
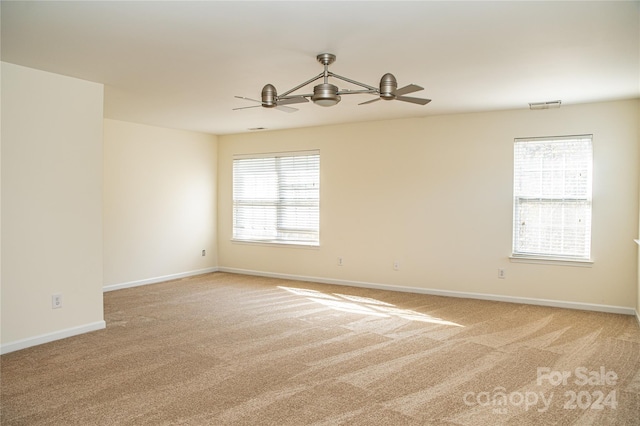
(179, 64)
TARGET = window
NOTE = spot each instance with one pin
(276, 198)
(552, 197)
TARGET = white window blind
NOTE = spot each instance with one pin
(552, 197)
(276, 198)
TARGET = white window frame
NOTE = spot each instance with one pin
(276, 198)
(557, 190)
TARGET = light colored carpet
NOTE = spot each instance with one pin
(225, 349)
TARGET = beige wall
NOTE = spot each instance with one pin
(51, 206)
(435, 194)
(159, 203)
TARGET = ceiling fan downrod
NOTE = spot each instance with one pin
(326, 94)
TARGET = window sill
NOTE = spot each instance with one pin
(277, 243)
(548, 260)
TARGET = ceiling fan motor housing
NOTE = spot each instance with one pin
(388, 86)
(269, 95)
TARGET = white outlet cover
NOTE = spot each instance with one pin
(56, 301)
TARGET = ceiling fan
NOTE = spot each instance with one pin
(327, 94)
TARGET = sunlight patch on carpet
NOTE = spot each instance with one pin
(365, 306)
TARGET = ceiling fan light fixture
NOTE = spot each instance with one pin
(325, 95)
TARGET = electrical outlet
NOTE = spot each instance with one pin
(502, 273)
(56, 301)
(340, 263)
(396, 265)
(204, 252)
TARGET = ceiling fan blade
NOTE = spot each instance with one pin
(252, 106)
(408, 89)
(295, 100)
(286, 108)
(369, 102)
(420, 101)
(248, 99)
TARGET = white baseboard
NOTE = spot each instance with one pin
(62, 334)
(98, 325)
(638, 316)
(447, 293)
(156, 280)
(50, 337)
